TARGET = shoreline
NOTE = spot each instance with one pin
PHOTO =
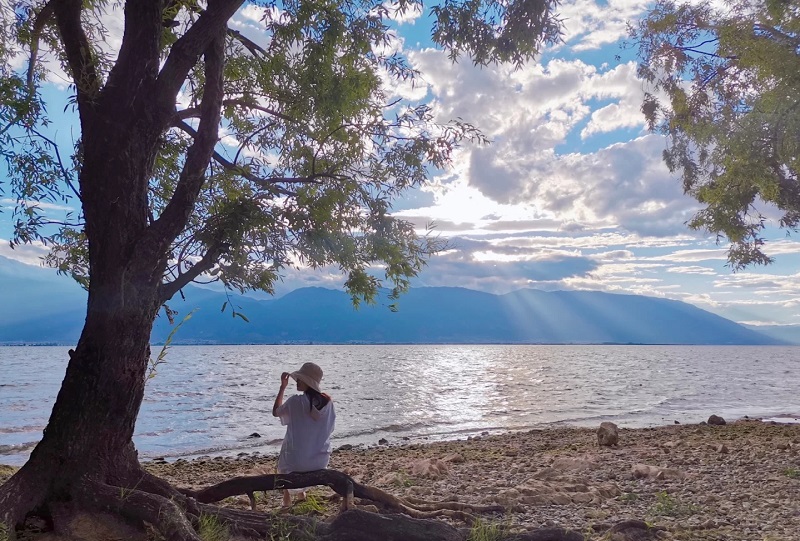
(739, 481)
(270, 448)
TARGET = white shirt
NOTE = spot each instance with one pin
(307, 444)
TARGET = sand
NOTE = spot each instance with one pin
(740, 481)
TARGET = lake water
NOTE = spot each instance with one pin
(208, 400)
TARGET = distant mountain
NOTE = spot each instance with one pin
(37, 307)
(785, 333)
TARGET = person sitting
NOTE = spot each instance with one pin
(309, 419)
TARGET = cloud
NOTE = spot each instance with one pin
(590, 24)
(30, 254)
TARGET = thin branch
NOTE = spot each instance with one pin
(220, 159)
(42, 18)
(244, 143)
(249, 44)
(777, 35)
(193, 112)
(79, 53)
(60, 163)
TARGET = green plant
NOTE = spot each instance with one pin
(311, 504)
(403, 480)
(162, 355)
(670, 506)
(792, 473)
(485, 531)
(280, 530)
(628, 497)
(209, 528)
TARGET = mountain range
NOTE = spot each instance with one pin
(38, 307)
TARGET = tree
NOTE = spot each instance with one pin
(319, 153)
(725, 89)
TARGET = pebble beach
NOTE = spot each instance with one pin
(738, 481)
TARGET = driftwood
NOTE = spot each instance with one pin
(345, 486)
(407, 520)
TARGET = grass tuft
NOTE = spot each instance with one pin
(670, 506)
(210, 528)
(311, 505)
(485, 531)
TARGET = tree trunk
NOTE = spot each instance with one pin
(89, 433)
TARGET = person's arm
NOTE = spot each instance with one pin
(279, 398)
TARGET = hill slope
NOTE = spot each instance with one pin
(38, 307)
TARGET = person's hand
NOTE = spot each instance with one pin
(284, 380)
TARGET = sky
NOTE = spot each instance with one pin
(571, 193)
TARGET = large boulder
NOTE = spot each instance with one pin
(607, 434)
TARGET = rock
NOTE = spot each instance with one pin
(454, 458)
(429, 467)
(383, 441)
(633, 530)
(547, 534)
(607, 434)
(716, 420)
(345, 447)
(641, 471)
(722, 448)
(254, 435)
(573, 464)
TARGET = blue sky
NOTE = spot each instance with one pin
(572, 192)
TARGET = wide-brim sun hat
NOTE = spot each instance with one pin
(310, 374)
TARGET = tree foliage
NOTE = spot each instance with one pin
(724, 84)
(313, 148)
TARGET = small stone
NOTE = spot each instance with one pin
(254, 435)
(716, 420)
(383, 441)
(722, 448)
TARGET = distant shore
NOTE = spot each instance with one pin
(740, 481)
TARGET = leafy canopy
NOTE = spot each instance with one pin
(314, 147)
(725, 88)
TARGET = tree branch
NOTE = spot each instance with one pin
(220, 159)
(185, 53)
(249, 44)
(79, 54)
(206, 263)
(64, 172)
(193, 112)
(167, 227)
(42, 19)
(137, 62)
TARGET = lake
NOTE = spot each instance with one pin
(208, 400)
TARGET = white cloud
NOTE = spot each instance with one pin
(30, 254)
(590, 24)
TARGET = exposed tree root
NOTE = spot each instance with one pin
(177, 514)
(343, 485)
(20, 495)
(164, 514)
